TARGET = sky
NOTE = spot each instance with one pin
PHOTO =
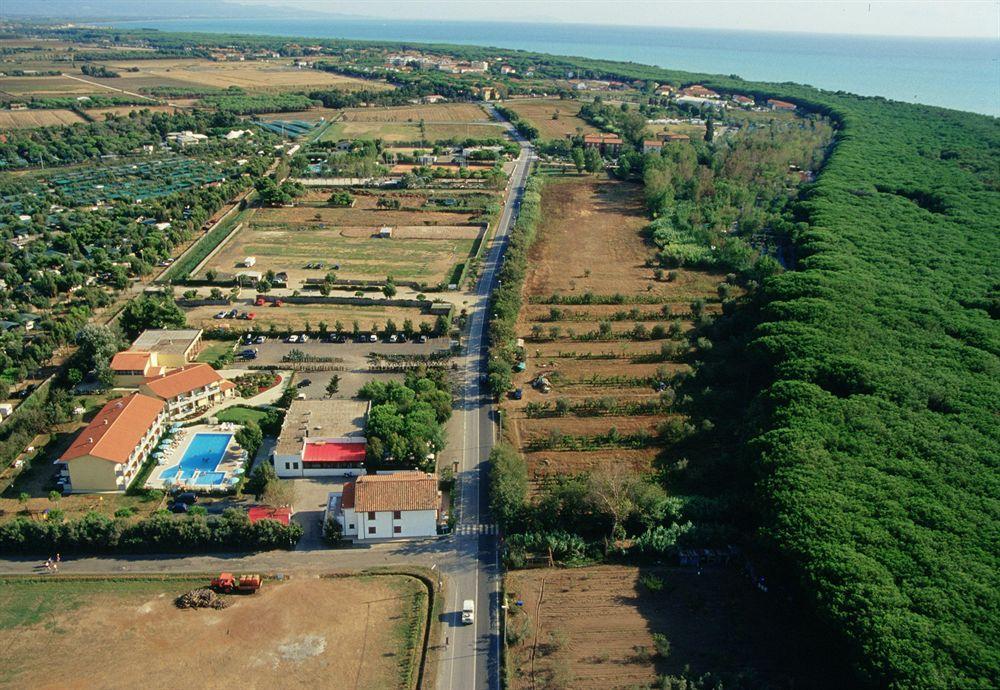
(938, 18)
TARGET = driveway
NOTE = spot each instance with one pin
(310, 503)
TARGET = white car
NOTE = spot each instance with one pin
(468, 612)
(292, 339)
(260, 339)
(303, 338)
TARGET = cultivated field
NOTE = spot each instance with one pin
(345, 632)
(393, 132)
(425, 247)
(43, 87)
(441, 112)
(275, 75)
(594, 628)
(27, 119)
(606, 363)
(539, 112)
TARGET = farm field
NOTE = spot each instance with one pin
(293, 317)
(594, 628)
(394, 132)
(441, 112)
(425, 246)
(277, 75)
(606, 363)
(539, 112)
(316, 630)
(27, 119)
(42, 87)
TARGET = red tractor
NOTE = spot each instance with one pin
(226, 583)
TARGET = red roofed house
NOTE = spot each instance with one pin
(322, 438)
(110, 450)
(775, 104)
(743, 100)
(188, 390)
(652, 146)
(133, 367)
(282, 515)
(606, 143)
(699, 91)
(388, 506)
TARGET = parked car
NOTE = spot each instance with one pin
(220, 315)
(468, 612)
(249, 354)
(393, 338)
(292, 339)
(260, 340)
(303, 338)
(233, 313)
(177, 507)
(188, 497)
(303, 383)
(422, 339)
(373, 338)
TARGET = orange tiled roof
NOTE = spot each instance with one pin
(131, 360)
(116, 430)
(183, 380)
(603, 138)
(399, 491)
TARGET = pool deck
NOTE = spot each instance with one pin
(232, 459)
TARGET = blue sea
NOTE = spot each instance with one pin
(963, 74)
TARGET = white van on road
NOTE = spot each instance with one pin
(468, 611)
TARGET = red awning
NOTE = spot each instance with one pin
(334, 451)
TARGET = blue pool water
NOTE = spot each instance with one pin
(202, 455)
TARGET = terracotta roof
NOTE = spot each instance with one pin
(130, 360)
(116, 430)
(652, 142)
(602, 138)
(183, 380)
(399, 491)
(344, 450)
(742, 99)
(699, 90)
(347, 498)
(781, 104)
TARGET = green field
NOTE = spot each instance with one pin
(394, 132)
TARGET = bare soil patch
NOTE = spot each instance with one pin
(593, 628)
(540, 112)
(298, 633)
(441, 112)
(28, 119)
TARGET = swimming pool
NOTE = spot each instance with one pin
(202, 456)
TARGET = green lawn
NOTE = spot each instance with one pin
(241, 415)
(214, 350)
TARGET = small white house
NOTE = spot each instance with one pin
(402, 505)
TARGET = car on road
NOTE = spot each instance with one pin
(468, 612)
(292, 339)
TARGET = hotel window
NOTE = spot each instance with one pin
(371, 530)
(295, 465)
(371, 515)
(288, 465)
(397, 530)
(396, 515)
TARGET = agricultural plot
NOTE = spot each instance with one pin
(408, 132)
(29, 119)
(608, 364)
(605, 627)
(44, 87)
(425, 245)
(349, 632)
(554, 119)
(145, 180)
(442, 112)
(275, 75)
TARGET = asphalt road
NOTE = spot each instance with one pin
(472, 655)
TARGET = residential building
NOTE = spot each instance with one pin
(652, 146)
(188, 390)
(322, 438)
(108, 453)
(775, 104)
(743, 100)
(666, 90)
(605, 142)
(133, 367)
(400, 505)
(173, 347)
(699, 91)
